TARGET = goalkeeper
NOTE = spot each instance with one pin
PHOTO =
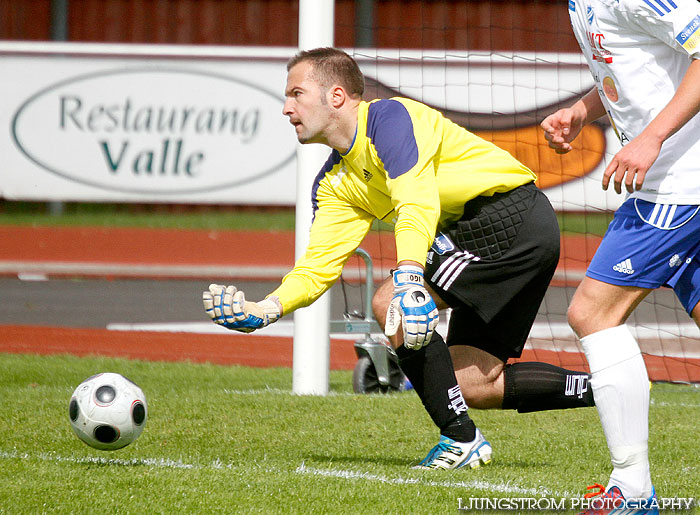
(472, 232)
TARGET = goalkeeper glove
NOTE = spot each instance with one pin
(227, 306)
(412, 307)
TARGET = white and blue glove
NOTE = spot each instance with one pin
(412, 307)
(227, 306)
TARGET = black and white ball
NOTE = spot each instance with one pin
(108, 411)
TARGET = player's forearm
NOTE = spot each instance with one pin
(298, 291)
(412, 245)
(418, 212)
(682, 107)
(589, 107)
(312, 276)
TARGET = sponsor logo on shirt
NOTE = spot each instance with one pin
(367, 175)
(689, 37)
(442, 244)
(595, 39)
(675, 261)
(572, 6)
(610, 90)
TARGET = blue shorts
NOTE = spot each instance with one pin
(651, 245)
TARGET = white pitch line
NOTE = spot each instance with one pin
(506, 488)
(163, 463)
(167, 463)
(280, 391)
(150, 462)
(665, 404)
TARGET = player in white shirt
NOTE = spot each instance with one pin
(644, 56)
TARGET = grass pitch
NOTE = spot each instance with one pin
(235, 440)
(212, 218)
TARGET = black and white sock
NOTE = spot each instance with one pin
(432, 375)
(537, 386)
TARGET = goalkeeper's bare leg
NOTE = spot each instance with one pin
(477, 378)
(429, 368)
(487, 382)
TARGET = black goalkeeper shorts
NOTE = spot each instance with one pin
(493, 267)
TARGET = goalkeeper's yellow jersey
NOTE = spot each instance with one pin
(407, 165)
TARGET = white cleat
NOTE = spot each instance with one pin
(450, 454)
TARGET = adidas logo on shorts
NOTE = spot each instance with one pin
(624, 267)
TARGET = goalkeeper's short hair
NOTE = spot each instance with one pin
(332, 66)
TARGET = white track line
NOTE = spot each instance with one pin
(140, 270)
(281, 328)
(560, 331)
(540, 330)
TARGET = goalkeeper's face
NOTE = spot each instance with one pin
(306, 106)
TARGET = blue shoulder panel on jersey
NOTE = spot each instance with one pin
(332, 160)
(390, 128)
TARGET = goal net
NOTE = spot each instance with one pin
(488, 68)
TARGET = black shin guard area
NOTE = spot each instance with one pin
(540, 386)
(432, 375)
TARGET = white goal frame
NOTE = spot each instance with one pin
(311, 354)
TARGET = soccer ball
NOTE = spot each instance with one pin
(108, 411)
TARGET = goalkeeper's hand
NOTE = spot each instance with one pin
(227, 306)
(412, 307)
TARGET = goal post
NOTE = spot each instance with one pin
(311, 354)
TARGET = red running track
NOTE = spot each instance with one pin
(200, 247)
